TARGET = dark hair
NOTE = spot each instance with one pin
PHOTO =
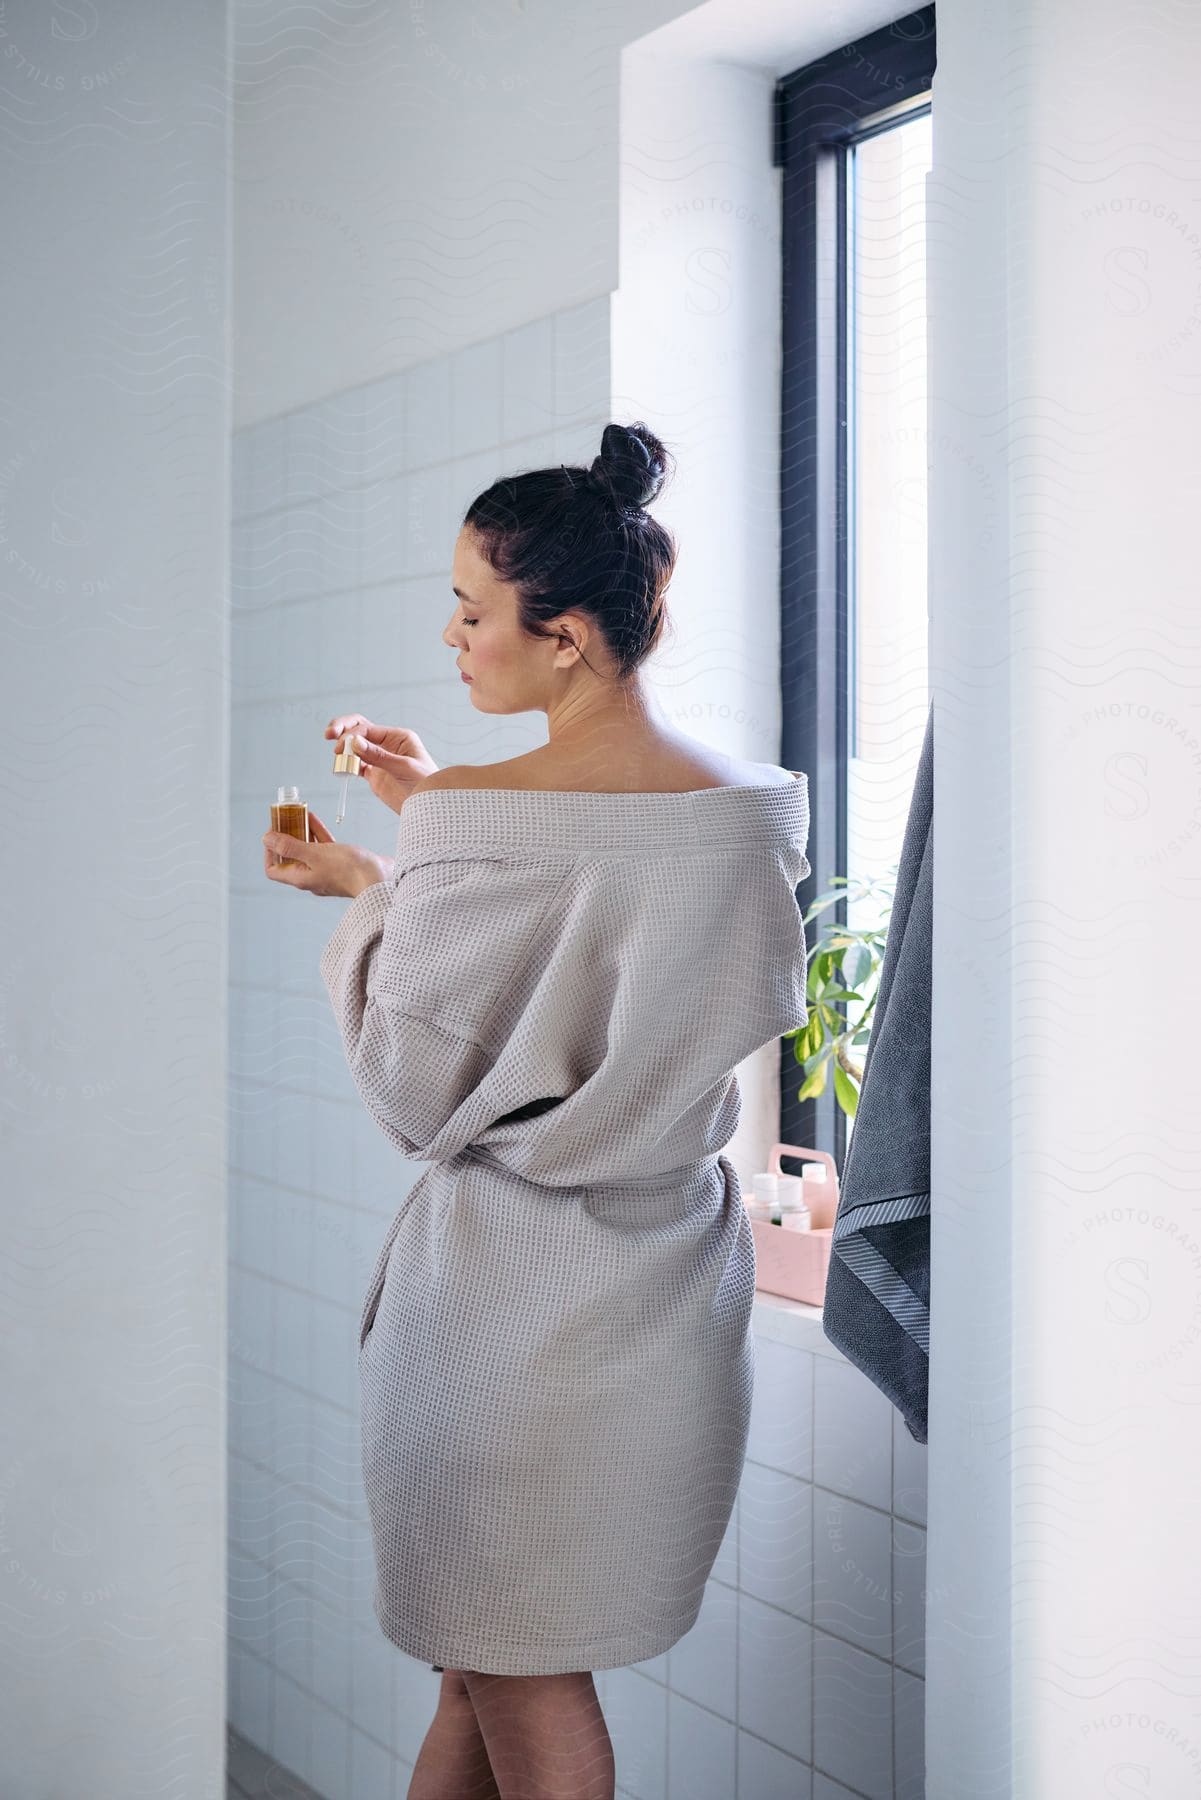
(571, 538)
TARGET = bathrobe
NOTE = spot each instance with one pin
(546, 1003)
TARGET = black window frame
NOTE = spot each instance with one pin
(820, 111)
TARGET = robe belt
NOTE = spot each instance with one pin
(665, 1178)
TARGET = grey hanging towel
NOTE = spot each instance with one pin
(877, 1302)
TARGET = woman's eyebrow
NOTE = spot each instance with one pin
(466, 598)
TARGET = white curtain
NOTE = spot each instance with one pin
(1064, 1580)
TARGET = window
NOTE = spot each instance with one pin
(853, 141)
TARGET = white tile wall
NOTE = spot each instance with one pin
(802, 1678)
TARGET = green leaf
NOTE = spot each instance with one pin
(815, 1085)
(845, 1091)
(856, 964)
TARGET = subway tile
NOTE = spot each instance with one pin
(251, 1512)
(427, 409)
(468, 477)
(328, 1768)
(373, 1770)
(360, 1576)
(293, 1353)
(251, 1318)
(292, 1637)
(326, 446)
(330, 1173)
(636, 1713)
(852, 1716)
(253, 1719)
(909, 1596)
(381, 548)
(781, 1430)
(293, 1439)
(475, 396)
(417, 1689)
(249, 1587)
(335, 1353)
(339, 519)
(852, 1446)
(251, 1410)
(249, 576)
(774, 1677)
(825, 1789)
(290, 1730)
(373, 1695)
(765, 1773)
(725, 1563)
(254, 642)
(775, 1543)
(578, 445)
(852, 1572)
(425, 527)
(252, 1217)
(293, 1250)
(390, 641)
(909, 1464)
(336, 1275)
(528, 380)
(701, 1752)
(538, 452)
(247, 1766)
(334, 1534)
(270, 461)
(703, 1664)
(385, 429)
(582, 363)
(336, 1467)
(909, 1775)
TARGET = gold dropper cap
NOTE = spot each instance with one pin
(345, 760)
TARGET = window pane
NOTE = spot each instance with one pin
(887, 444)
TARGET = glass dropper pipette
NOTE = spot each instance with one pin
(346, 765)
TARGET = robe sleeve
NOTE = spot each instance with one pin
(426, 977)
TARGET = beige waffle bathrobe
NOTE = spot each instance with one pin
(547, 1004)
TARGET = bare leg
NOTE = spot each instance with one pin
(452, 1763)
(546, 1735)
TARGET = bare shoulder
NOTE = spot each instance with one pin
(464, 775)
(536, 769)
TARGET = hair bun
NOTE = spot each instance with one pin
(631, 468)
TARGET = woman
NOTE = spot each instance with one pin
(544, 996)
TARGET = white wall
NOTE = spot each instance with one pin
(114, 684)
(1065, 366)
(417, 178)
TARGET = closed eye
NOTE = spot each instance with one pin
(471, 621)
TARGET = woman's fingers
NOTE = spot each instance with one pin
(344, 722)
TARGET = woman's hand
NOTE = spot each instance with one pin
(394, 759)
(324, 866)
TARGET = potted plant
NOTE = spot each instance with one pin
(844, 970)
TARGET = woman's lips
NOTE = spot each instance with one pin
(465, 677)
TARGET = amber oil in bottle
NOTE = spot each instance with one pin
(290, 814)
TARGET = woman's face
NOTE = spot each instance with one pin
(510, 671)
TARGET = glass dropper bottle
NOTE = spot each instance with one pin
(346, 765)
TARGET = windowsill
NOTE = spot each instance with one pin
(791, 1322)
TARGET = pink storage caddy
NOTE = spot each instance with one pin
(794, 1263)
